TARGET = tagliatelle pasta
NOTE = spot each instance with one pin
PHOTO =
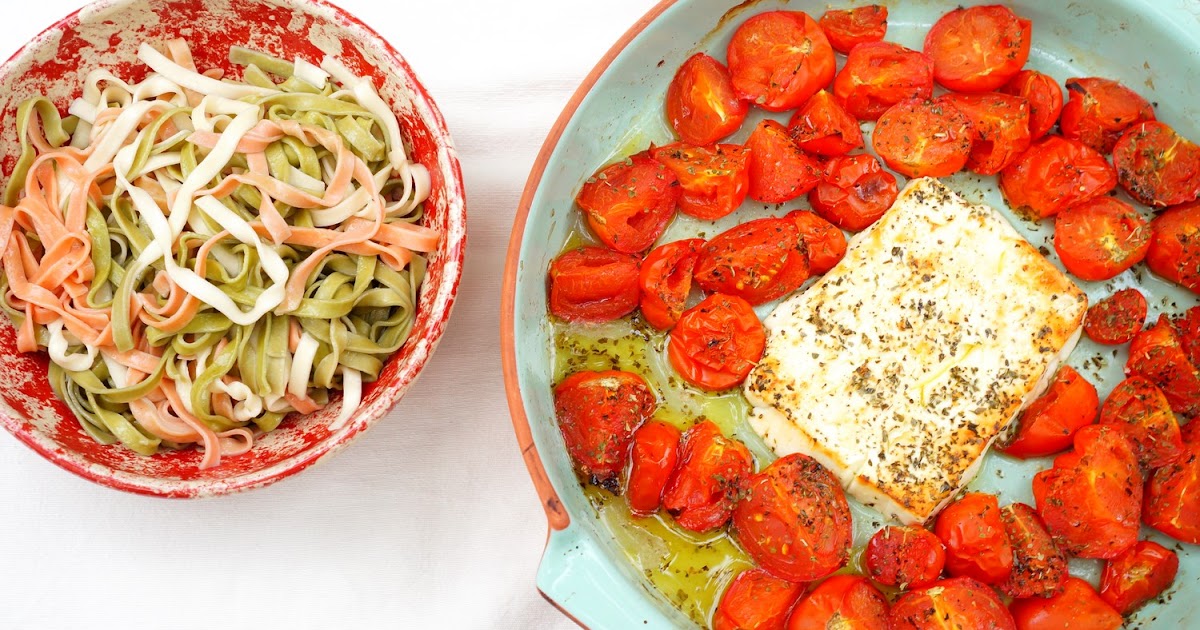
(200, 257)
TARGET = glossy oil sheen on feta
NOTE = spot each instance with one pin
(900, 367)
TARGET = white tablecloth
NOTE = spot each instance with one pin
(427, 521)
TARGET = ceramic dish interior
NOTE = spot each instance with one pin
(106, 34)
(593, 567)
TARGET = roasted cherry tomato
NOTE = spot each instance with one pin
(825, 243)
(1039, 566)
(1172, 503)
(779, 170)
(880, 74)
(711, 474)
(854, 193)
(1055, 174)
(629, 204)
(716, 343)
(824, 127)
(978, 49)
(847, 28)
(1157, 166)
(1099, 110)
(1048, 424)
(1100, 238)
(1157, 354)
(1117, 318)
(1143, 411)
(959, 603)
(1077, 606)
(1175, 246)
(759, 260)
(847, 602)
(999, 128)
(1138, 576)
(919, 138)
(1044, 96)
(713, 180)
(597, 413)
(666, 279)
(976, 543)
(1090, 500)
(1187, 328)
(702, 105)
(756, 600)
(779, 59)
(905, 557)
(593, 284)
(654, 454)
(794, 520)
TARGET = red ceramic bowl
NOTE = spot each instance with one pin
(106, 34)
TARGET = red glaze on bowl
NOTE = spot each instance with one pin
(106, 34)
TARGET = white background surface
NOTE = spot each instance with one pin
(429, 520)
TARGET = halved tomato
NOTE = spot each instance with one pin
(629, 204)
(711, 474)
(976, 543)
(1045, 99)
(878, 75)
(653, 456)
(701, 104)
(779, 170)
(759, 260)
(1099, 110)
(1138, 576)
(824, 127)
(1118, 318)
(1172, 503)
(1175, 246)
(951, 604)
(713, 180)
(779, 59)
(825, 243)
(854, 193)
(794, 520)
(593, 284)
(597, 413)
(978, 49)
(1048, 424)
(905, 557)
(665, 280)
(1092, 497)
(1100, 238)
(847, 28)
(1055, 174)
(1157, 354)
(919, 138)
(1141, 409)
(842, 601)
(1039, 566)
(1077, 606)
(716, 343)
(999, 128)
(1187, 328)
(1157, 166)
(756, 600)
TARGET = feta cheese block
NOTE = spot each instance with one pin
(899, 368)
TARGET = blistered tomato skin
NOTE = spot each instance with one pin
(978, 49)
(665, 279)
(841, 601)
(905, 557)
(1138, 576)
(847, 28)
(1044, 96)
(1118, 318)
(597, 413)
(977, 545)
(953, 603)
(1099, 110)
(593, 285)
(1053, 175)
(1076, 606)
(756, 600)
(779, 59)
(1039, 566)
(653, 456)
(879, 75)
(794, 520)
(1048, 425)
(1174, 250)
(701, 104)
(710, 476)
(629, 204)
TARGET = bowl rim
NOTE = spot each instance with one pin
(442, 302)
(556, 514)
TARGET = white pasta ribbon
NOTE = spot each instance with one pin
(194, 80)
(351, 397)
(58, 348)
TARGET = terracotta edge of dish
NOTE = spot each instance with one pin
(556, 514)
(183, 489)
